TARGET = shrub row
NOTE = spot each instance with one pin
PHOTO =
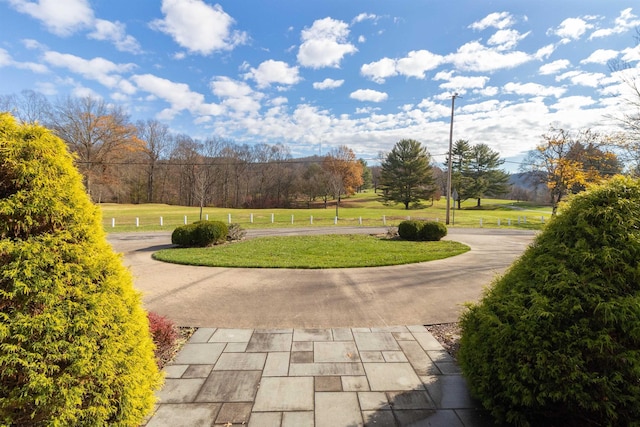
(200, 234)
(422, 230)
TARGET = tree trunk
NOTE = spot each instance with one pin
(478, 205)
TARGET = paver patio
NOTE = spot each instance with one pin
(392, 376)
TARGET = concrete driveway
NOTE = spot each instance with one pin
(415, 294)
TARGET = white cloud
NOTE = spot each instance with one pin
(62, 18)
(571, 29)
(7, 61)
(499, 20)
(237, 95)
(362, 39)
(271, 71)
(328, 84)
(364, 17)
(417, 63)
(473, 56)
(506, 39)
(199, 27)
(325, 44)
(178, 95)
(554, 67)
(622, 23)
(99, 69)
(545, 51)
(458, 83)
(534, 89)
(115, 32)
(582, 78)
(380, 70)
(600, 56)
(488, 91)
(573, 103)
(368, 95)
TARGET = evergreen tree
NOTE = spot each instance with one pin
(406, 175)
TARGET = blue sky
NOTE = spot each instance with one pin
(318, 74)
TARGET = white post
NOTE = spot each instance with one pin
(229, 218)
(498, 222)
(206, 217)
(384, 220)
(335, 220)
(509, 221)
(161, 224)
(480, 222)
(542, 219)
(137, 222)
(291, 219)
(360, 220)
(251, 218)
(113, 222)
(185, 220)
(271, 218)
(525, 219)
(311, 220)
(518, 220)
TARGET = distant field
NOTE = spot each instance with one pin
(361, 209)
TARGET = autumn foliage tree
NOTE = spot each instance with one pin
(344, 172)
(75, 346)
(566, 162)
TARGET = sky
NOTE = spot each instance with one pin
(317, 74)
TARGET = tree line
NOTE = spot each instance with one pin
(144, 162)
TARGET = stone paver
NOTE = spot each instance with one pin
(383, 376)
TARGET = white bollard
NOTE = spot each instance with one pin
(360, 220)
(185, 220)
(384, 220)
(161, 222)
(311, 220)
(509, 221)
(525, 219)
(542, 219)
(229, 218)
(272, 218)
(480, 222)
(113, 222)
(498, 222)
(251, 218)
(137, 222)
(206, 217)
(291, 219)
(335, 220)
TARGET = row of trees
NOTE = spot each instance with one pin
(144, 162)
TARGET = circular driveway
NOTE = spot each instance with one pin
(412, 294)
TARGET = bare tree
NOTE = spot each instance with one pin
(157, 141)
(28, 107)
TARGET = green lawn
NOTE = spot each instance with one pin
(361, 209)
(324, 251)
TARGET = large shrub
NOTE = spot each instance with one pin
(422, 230)
(200, 234)
(75, 346)
(556, 340)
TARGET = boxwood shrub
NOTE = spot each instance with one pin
(421, 230)
(200, 234)
(556, 340)
(75, 345)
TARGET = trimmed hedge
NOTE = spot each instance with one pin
(422, 230)
(200, 234)
(556, 340)
(75, 346)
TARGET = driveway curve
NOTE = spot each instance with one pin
(413, 294)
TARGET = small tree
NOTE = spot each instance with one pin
(75, 346)
(406, 175)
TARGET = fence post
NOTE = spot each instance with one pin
(335, 220)
(251, 218)
(384, 220)
(185, 220)
(291, 219)
(542, 219)
(525, 219)
(229, 218)
(360, 220)
(509, 221)
(272, 218)
(161, 222)
(137, 222)
(206, 217)
(113, 222)
(311, 220)
(498, 222)
(480, 222)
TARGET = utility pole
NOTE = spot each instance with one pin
(453, 99)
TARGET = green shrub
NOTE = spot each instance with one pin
(200, 234)
(432, 231)
(410, 229)
(556, 340)
(75, 346)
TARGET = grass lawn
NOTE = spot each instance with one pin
(325, 251)
(364, 209)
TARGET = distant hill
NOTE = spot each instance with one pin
(525, 186)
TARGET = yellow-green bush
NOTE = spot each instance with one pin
(75, 346)
(556, 340)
